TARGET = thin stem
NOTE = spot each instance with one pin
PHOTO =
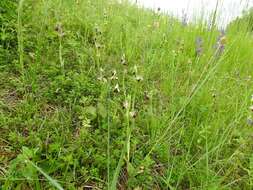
(108, 137)
(20, 37)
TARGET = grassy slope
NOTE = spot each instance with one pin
(73, 109)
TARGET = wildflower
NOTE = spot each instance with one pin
(214, 95)
(251, 108)
(181, 47)
(123, 59)
(59, 30)
(114, 72)
(184, 19)
(221, 48)
(156, 24)
(98, 54)
(26, 132)
(135, 69)
(31, 54)
(86, 123)
(97, 30)
(105, 14)
(139, 78)
(250, 121)
(146, 96)
(126, 105)
(101, 70)
(101, 75)
(199, 46)
(133, 114)
(189, 61)
(100, 78)
(141, 169)
(114, 75)
(248, 79)
(125, 71)
(77, 132)
(221, 42)
(103, 79)
(116, 88)
(209, 26)
(165, 38)
(174, 53)
(98, 45)
(58, 27)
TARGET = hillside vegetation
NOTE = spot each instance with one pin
(96, 94)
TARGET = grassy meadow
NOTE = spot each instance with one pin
(96, 94)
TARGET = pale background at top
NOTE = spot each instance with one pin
(228, 9)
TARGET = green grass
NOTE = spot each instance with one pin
(100, 95)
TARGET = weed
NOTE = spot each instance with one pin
(99, 94)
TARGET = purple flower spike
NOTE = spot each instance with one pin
(222, 35)
(199, 46)
(222, 32)
(221, 48)
(184, 19)
(221, 42)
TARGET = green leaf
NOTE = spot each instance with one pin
(51, 180)
(91, 112)
(101, 110)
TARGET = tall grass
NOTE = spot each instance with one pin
(120, 97)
